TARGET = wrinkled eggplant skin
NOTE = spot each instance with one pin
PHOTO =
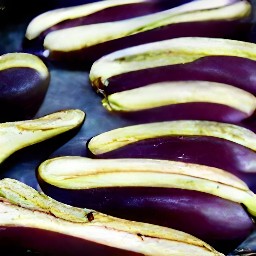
(247, 248)
(220, 69)
(224, 227)
(187, 111)
(42, 242)
(204, 150)
(227, 29)
(22, 93)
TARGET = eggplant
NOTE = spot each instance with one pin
(156, 191)
(178, 59)
(221, 145)
(27, 214)
(20, 134)
(24, 81)
(178, 79)
(199, 100)
(85, 33)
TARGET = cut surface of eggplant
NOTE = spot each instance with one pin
(20, 134)
(164, 53)
(158, 192)
(24, 81)
(121, 137)
(171, 99)
(70, 34)
(24, 209)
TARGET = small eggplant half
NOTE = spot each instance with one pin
(86, 33)
(200, 200)
(221, 145)
(184, 78)
(31, 220)
(24, 80)
(17, 135)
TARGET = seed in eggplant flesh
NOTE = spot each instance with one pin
(27, 214)
(221, 145)
(85, 33)
(24, 80)
(20, 134)
(156, 191)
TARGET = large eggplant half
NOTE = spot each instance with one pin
(182, 78)
(221, 145)
(90, 31)
(32, 221)
(200, 200)
(24, 80)
(17, 135)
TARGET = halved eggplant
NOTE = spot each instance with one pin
(184, 78)
(213, 68)
(184, 50)
(27, 214)
(90, 33)
(24, 80)
(17, 135)
(200, 200)
(225, 146)
(199, 100)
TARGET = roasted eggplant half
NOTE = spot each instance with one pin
(24, 80)
(182, 78)
(85, 33)
(203, 201)
(221, 145)
(18, 135)
(33, 221)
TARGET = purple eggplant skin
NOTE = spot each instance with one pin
(187, 111)
(220, 69)
(204, 150)
(18, 240)
(22, 92)
(227, 29)
(215, 220)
